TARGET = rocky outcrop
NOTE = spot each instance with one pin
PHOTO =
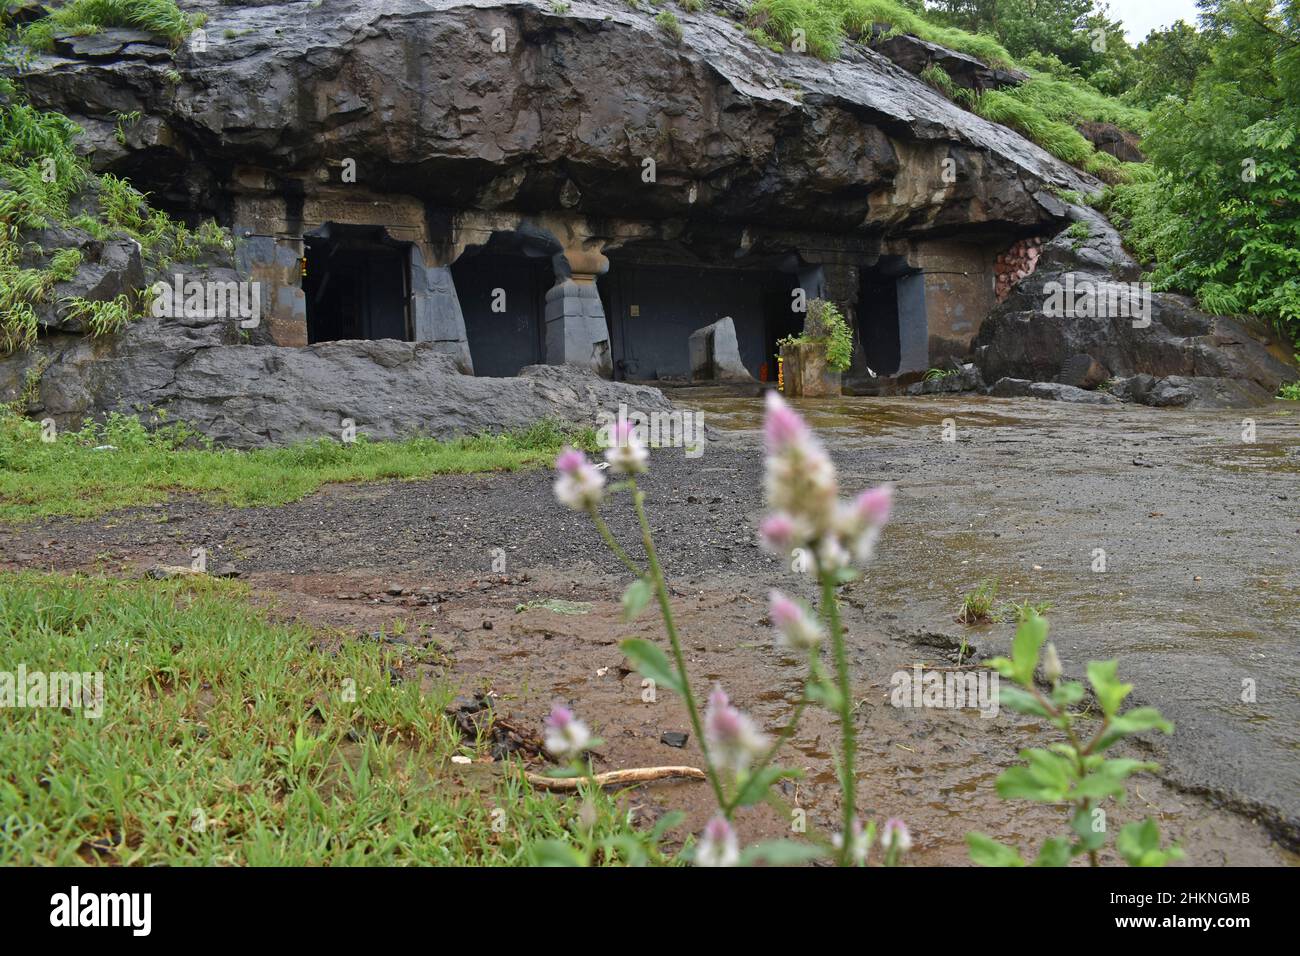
(510, 104)
(916, 55)
(1084, 315)
(1109, 138)
(246, 396)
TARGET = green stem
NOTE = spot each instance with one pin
(848, 782)
(665, 609)
(613, 544)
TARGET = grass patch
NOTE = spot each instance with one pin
(159, 17)
(228, 740)
(1045, 108)
(978, 606)
(69, 477)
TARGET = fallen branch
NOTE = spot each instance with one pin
(615, 778)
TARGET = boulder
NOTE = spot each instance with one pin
(247, 396)
(715, 354)
(1052, 391)
(1109, 138)
(1085, 303)
(965, 378)
(914, 55)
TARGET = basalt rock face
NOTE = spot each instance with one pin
(513, 105)
(246, 396)
(1210, 361)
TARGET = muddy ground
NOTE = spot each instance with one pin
(1200, 599)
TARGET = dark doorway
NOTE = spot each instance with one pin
(356, 285)
(503, 296)
(878, 322)
(653, 308)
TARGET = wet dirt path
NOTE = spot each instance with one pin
(1201, 593)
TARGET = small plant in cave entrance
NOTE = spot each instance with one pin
(825, 325)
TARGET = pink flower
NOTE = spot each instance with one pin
(580, 485)
(894, 836)
(858, 846)
(796, 626)
(874, 504)
(777, 533)
(718, 845)
(566, 736)
(626, 454)
(782, 426)
(732, 737)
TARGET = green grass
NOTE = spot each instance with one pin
(159, 17)
(229, 740)
(43, 173)
(68, 477)
(1045, 108)
(977, 607)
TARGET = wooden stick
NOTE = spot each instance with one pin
(615, 778)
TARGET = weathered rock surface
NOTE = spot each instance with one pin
(1109, 138)
(247, 396)
(563, 117)
(715, 355)
(1225, 364)
(966, 378)
(1052, 391)
(915, 55)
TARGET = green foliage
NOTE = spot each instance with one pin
(160, 17)
(977, 606)
(68, 476)
(824, 324)
(42, 172)
(669, 24)
(1073, 773)
(228, 740)
(100, 317)
(1220, 219)
(1045, 109)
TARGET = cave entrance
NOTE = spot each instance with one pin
(891, 319)
(502, 288)
(654, 307)
(357, 284)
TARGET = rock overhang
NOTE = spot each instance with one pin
(567, 110)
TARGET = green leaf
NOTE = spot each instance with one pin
(651, 663)
(1110, 690)
(1067, 694)
(782, 853)
(1089, 839)
(756, 785)
(1021, 701)
(823, 692)
(1134, 721)
(1025, 647)
(1055, 852)
(556, 853)
(1139, 844)
(636, 597)
(985, 851)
